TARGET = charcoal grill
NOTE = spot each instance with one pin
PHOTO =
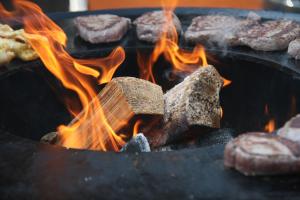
(30, 108)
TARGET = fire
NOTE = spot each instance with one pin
(136, 127)
(78, 75)
(270, 126)
(226, 82)
(181, 60)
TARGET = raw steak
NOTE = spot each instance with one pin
(102, 28)
(151, 25)
(294, 48)
(219, 29)
(262, 154)
(270, 36)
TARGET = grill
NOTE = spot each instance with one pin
(31, 109)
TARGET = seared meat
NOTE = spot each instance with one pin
(219, 29)
(291, 129)
(102, 28)
(294, 48)
(262, 154)
(151, 25)
(270, 35)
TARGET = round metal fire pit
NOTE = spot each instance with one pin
(31, 170)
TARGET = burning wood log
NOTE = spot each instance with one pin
(195, 101)
(291, 129)
(121, 99)
(138, 143)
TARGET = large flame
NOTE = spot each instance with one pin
(78, 75)
(183, 61)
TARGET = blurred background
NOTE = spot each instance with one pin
(81, 5)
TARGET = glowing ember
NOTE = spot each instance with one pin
(80, 76)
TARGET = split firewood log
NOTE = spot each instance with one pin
(193, 102)
(121, 99)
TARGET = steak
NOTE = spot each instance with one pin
(270, 36)
(262, 154)
(102, 28)
(150, 26)
(219, 29)
(294, 48)
(291, 129)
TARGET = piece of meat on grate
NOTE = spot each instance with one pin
(271, 35)
(294, 48)
(262, 154)
(219, 29)
(102, 28)
(150, 26)
(291, 129)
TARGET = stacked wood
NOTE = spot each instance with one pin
(121, 99)
(193, 102)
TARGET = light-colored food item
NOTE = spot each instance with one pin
(294, 48)
(262, 154)
(291, 129)
(13, 43)
(219, 29)
(151, 25)
(102, 28)
(271, 35)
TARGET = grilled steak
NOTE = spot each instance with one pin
(219, 29)
(102, 28)
(262, 154)
(270, 35)
(294, 48)
(151, 25)
(291, 129)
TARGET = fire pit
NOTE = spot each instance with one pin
(264, 88)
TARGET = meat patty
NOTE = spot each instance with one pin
(219, 29)
(294, 49)
(102, 28)
(151, 25)
(270, 36)
(262, 154)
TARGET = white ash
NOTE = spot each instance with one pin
(138, 143)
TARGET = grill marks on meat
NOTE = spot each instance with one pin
(102, 28)
(151, 25)
(227, 30)
(270, 35)
(262, 154)
(218, 29)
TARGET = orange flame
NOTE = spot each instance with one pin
(226, 82)
(136, 127)
(78, 75)
(181, 60)
(270, 126)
